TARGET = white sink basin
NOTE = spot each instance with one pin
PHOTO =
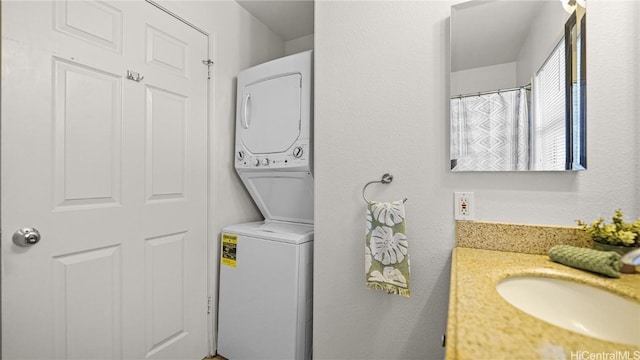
(576, 307)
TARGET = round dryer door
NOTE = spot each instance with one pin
(270, 114)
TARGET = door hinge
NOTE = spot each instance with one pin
(209, 305)
(208, 62)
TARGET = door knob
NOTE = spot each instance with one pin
(26, 237)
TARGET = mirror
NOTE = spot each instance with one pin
(518, 86)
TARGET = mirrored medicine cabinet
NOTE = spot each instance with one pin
(518, 86)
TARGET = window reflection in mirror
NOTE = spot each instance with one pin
(515, 104)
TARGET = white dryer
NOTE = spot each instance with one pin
(265, 295)
(274, 137)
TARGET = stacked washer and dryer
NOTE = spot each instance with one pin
(265, 297)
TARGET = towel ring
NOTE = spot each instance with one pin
(386, 178)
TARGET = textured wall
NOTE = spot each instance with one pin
(381, 105)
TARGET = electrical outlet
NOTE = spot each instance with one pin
(463, 206)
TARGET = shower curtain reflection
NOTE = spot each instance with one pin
(490, 132)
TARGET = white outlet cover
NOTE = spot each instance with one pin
(463, 206)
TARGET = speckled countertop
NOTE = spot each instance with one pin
(482, 325)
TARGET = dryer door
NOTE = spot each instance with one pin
(269, 118)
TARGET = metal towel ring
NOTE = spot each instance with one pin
(386, 178)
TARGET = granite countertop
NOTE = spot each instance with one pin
(483, 325)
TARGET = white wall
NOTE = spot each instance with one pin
(300, 44)
(381, 105)
(486, 78)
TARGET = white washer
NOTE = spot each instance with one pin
(265, 297)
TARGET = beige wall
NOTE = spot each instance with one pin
(381, 105)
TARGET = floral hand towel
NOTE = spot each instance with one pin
(386, 248)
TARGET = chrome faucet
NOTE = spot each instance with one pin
(629, 261)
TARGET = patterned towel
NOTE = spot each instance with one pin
(603, 262)
(387, 249)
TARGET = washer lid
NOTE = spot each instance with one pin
(280, 195)
(273, 230)
(270, 114)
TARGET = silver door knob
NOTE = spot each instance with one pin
(26, 237)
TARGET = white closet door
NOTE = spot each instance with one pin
(113, 174)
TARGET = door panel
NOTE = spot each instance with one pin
(165, 291)
(166, 51)
(166, 130)
(87, 141)
(93, 21)
(112, 172)
(175, 203)
(87, 296)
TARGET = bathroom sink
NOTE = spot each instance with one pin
(576, 307)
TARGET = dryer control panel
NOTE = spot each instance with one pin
(295, 158)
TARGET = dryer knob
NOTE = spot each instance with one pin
(240, 155)
(297, 152)
(265, 162)
(256, 162)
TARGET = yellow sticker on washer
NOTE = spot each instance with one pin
(229, 247)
